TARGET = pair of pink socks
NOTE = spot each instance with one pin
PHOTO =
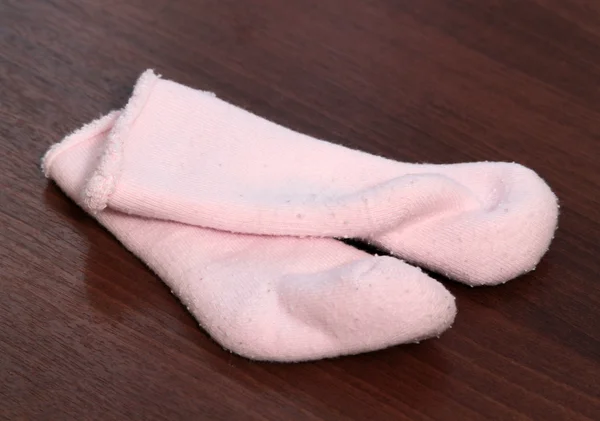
(239, 216)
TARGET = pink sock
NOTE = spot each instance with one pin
(181, 154)
(267, 298)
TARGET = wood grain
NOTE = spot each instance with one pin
(88, 332)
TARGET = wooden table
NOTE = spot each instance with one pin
(88, 332)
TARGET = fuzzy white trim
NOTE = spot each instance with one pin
(104, 179)
(91, 129)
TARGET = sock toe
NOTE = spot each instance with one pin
(368, 304)
(506, 236)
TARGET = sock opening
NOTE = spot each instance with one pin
(103, 181)
(91, 129)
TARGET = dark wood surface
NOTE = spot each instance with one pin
(87, 332)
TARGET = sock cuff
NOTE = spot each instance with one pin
(104, 179)
(88, 130)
